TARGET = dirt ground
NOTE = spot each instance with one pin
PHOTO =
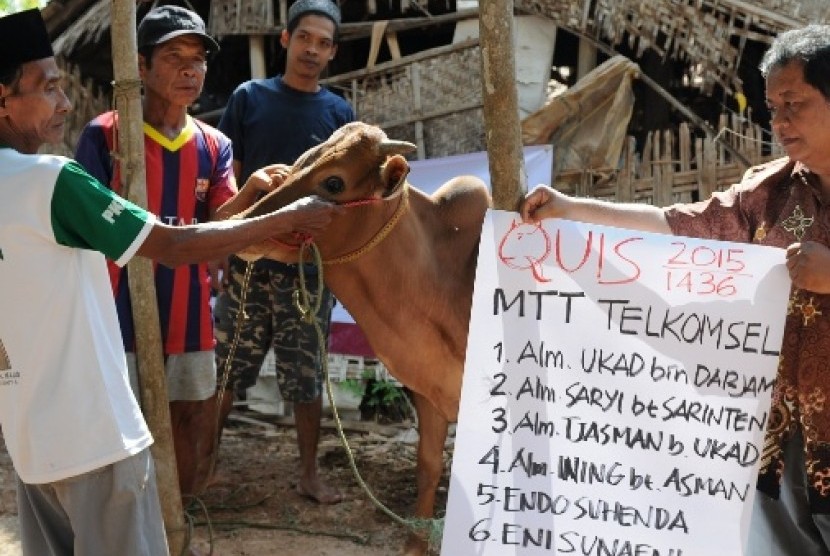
(255, 510)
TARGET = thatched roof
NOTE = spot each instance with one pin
(708, 33)
(89, 28)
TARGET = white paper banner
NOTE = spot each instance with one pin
(616, 391)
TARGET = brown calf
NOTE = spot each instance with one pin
(403, 264)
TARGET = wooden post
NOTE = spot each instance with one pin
(664, 195)
(152, 380)
(646, 166)
(656, 170)
(685, 148)
(501, 106)
(625, 184)
(710, 168)
(418, 108)
(256, 55)
(700, 172)
(586, 58)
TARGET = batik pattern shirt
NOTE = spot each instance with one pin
(778, 204)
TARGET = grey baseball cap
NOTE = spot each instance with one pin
(168, 22)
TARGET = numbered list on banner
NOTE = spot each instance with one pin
(616, 390)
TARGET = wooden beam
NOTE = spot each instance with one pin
(416, 57)
(748, 9)
(256, 56)
(352, 31)
(586, 59)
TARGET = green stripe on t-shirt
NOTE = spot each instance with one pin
(88, 215)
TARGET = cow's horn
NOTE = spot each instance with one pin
(390, 147)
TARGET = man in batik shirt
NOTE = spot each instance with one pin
(786, 204)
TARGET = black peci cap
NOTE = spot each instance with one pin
(23, 38)
(168, 22)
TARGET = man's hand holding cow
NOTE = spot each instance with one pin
(309, 214)
(268, 178)
(259, 184)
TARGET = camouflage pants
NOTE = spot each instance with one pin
(271, 320)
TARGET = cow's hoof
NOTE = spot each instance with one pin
(416, 546)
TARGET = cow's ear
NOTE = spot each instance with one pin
(394, 171)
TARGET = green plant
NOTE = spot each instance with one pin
(353, 386)
(384, 401)
(12, 6)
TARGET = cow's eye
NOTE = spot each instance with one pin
(334, 184)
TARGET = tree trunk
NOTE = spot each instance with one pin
(501, 107)
(149, 355)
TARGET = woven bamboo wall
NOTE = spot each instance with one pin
(705, 32)
(674, 167)
(230, 17)
(432, 99)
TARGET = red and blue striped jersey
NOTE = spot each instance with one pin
(188, 177)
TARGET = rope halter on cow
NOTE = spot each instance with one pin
(374, 241)
(383, 233)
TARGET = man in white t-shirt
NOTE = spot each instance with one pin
(73, 429)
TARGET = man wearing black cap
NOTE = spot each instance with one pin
(70, 421)
(276, 120)
(189, 177)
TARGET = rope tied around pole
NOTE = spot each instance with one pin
(121, 90)
(308, 309)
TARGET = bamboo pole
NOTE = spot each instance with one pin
(152, 381)
(503, 136)
(256, 56)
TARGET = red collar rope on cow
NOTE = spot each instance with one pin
(403, 204)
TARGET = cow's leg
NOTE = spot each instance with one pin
(432, 428)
